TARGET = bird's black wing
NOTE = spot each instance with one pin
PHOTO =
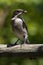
(24, 25)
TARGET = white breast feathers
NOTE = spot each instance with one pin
(18, 21)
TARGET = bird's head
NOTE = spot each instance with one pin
(18, 12)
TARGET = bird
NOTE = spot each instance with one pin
(19, 27)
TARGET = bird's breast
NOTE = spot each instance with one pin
(18, 22)
(18, 29)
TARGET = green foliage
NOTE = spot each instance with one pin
(34, 22)
(33, 18)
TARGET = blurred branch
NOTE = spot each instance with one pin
(30, 50)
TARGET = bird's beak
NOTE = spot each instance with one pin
(25, 11)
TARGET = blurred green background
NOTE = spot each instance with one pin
(33, 20)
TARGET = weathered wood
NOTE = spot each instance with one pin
(22, 48)
(26, 50)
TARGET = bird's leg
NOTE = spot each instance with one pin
(10, 45)
(16, 42)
